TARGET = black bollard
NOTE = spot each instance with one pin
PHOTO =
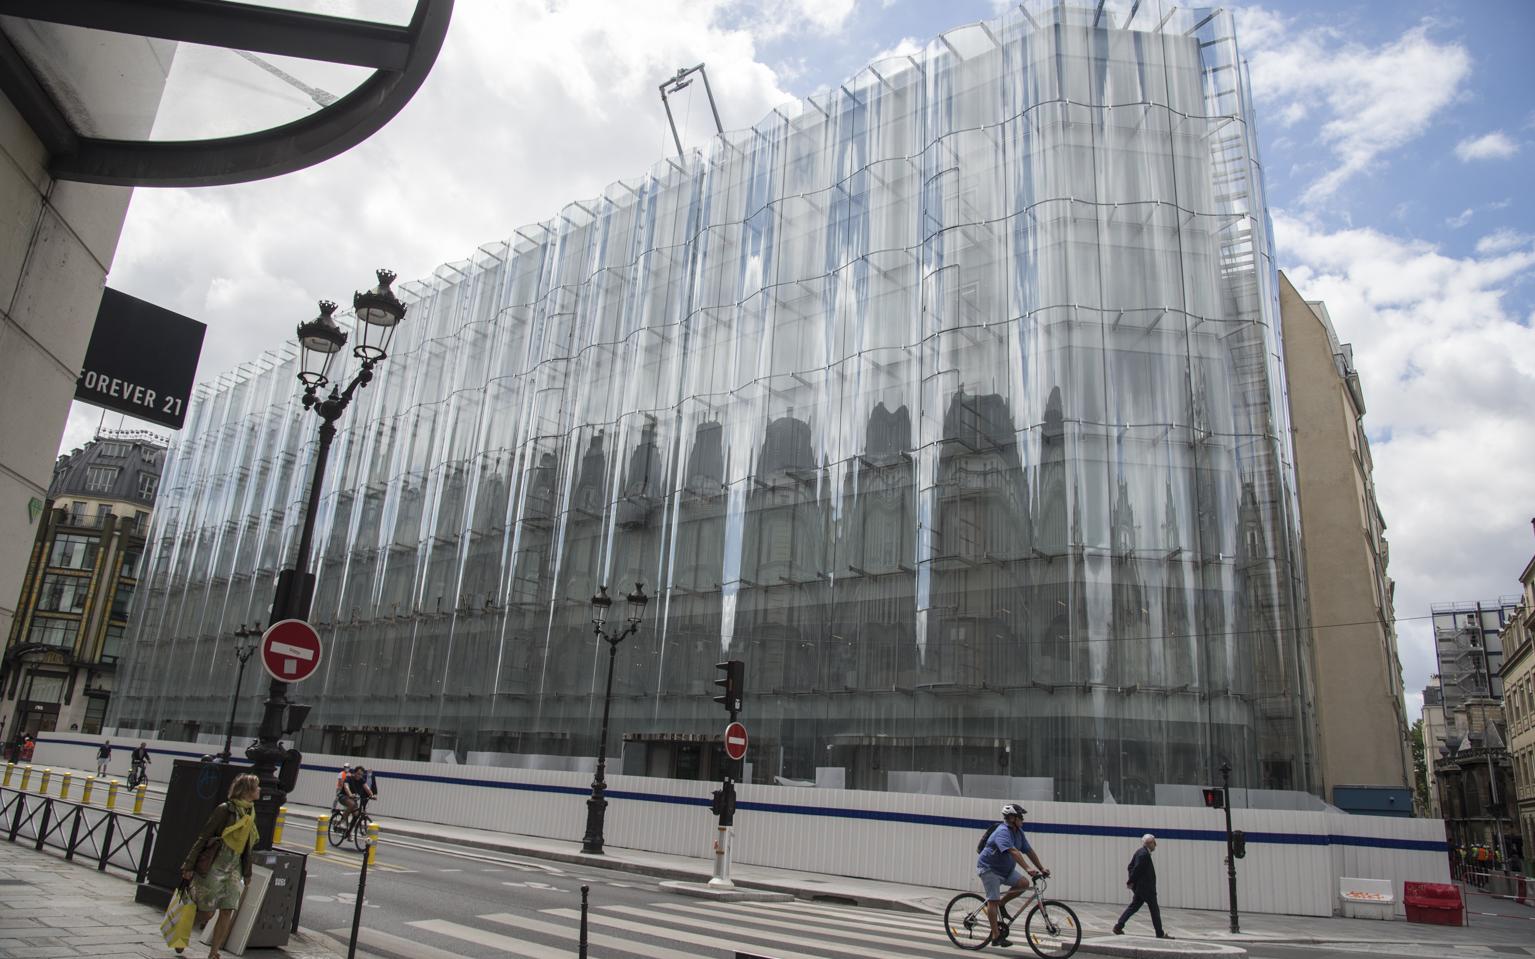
(582, 945)
(362, 885)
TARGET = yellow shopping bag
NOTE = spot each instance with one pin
(176, 927)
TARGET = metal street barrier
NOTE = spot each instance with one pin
(108, 838)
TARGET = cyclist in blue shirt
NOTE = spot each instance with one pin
(1001, 863)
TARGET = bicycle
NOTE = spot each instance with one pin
(353, 826)
(137, 776)
(1049, 926)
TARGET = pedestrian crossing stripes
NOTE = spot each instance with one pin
(680, 929)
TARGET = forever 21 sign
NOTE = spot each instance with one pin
(142, 360)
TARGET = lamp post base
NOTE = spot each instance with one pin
(596, 813)
(265, 759)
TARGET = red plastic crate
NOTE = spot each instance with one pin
(1434, 903)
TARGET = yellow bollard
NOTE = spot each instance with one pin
(138, 799)
(26, 777)
(85, 794)
(282, 820)
(42, 786)
(321, 827)
(9, 768)
(112, 794)
(372, 842)
(64, 785)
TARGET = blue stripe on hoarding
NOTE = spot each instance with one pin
(879, 815)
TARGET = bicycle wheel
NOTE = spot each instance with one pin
(1052, 930)
(360, 833)
(337, 827)
(965, 921)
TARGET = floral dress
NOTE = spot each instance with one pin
(223, 885)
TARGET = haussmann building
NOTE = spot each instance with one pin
(951, 401)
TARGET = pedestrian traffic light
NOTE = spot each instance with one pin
(724, 804)
(1215, 798)
(1238, 843)
(733, 681)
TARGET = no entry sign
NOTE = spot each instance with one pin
(290, 650)
(735, 741)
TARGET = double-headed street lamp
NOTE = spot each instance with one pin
(243, 652)
(378, 312)
(597, 805)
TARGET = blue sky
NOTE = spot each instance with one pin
(1397, 139)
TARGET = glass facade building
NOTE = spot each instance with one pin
(950, 400)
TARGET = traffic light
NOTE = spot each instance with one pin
(733, 682)
(724, 804)
(1215, 798)
(1238, 843)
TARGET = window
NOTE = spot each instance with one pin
(131, 560)
(73, 551)
(114, 450)
(140, 523)
(77, 513)
(95, 714)
(112, 647)
(103, 510)
(54, 632)
(122, 601)
(44, 688)
(148, 483)
(99, 479)
(63, 594)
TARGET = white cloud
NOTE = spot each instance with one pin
(1502, 241)
(1447, 368)
(904, 47)
(1496, 145)
(1460, 219)
(1371, 100)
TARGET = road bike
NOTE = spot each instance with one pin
(350, 826)
(1050, 927)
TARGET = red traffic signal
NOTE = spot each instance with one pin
(1215, 798)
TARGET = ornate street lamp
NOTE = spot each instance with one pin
(597, 805)
(243, 652)
(378, 313)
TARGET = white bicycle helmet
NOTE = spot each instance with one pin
(1013, 809)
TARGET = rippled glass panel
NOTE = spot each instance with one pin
(949, 400)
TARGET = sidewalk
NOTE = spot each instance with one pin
(49, 907)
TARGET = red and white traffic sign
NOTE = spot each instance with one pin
(290, 650)
(735, 740)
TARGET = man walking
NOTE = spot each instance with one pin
(1143, 886)
(103, 758)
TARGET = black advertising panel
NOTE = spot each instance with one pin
(141, 361)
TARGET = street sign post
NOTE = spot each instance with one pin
(735, 741)
(290, 650)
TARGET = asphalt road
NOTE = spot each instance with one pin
(430, 901)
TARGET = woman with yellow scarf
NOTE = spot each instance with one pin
(219, 863)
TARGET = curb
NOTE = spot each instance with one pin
(1128, 947)
(703, 890)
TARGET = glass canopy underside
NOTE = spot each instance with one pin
(950, 401)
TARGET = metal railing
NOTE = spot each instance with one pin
(105, 836)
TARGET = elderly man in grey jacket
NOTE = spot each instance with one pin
(1143, 885)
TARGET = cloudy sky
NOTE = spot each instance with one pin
(1397, 137)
